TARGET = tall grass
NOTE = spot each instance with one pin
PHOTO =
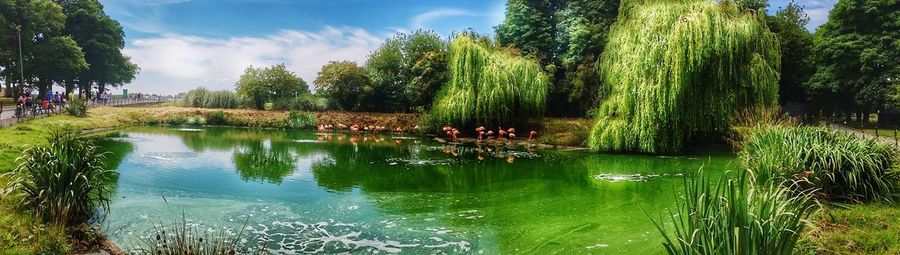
(489, 86)
(64, 182)
(676, 70)
(734, 216)
(841, 166)
(182, 237)
(204, 98)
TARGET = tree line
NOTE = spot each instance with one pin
(71, 43)
(849, 65)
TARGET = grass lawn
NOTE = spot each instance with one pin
(859, 229)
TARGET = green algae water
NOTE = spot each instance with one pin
(293, 192)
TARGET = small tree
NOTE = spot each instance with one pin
(258, 86)
(344, 83)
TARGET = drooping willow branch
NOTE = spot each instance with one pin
(675, 70)
(489, 86)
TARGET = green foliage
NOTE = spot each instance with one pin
(836, 163)
(76, 107)
(343, 83)
(567, 37)
(489, 86)
(203, 98)
(217, 118)
(789, 23)
(529, 26)
(857, 53)
(406, 71)
(183, 237)
(63, 182)
(301, 120)
(102, 40)
(303, 102)
(258, 86)
(733, 216)
(674, 71)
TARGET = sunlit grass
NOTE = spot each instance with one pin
(841, 166)
(734, 216)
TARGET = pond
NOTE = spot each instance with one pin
(303, 192)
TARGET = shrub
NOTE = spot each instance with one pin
(734, 216)
(217, 118)
(203, 98)
(301, 120)
(76, 107)
(839, 165)
(675, 71)
(63, 182)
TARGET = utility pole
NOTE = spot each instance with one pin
(21, 60)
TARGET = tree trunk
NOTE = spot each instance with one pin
(866, 115)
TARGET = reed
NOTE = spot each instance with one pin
(204, 98)
(675, 70)
(182, 237)
(64, 182)
(839, 165)
(734, 216)
(489, 86)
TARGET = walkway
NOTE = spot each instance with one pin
(862, 135)
(8, 113)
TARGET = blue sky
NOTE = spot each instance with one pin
(183, 44)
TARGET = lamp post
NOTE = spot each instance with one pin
(21, 60)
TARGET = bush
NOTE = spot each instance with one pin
(217, 118)
(839, 165)
(203, 98)
(301, 120)
(304, 102)
(76, 107)
(736, 217)
(63, 182)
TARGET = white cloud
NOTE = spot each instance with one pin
(422, 20)
(173, 63)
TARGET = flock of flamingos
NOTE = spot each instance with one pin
(451, 132)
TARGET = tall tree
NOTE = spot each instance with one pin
(407, 70)
(857, 52)
(567, 37)
(529, 26)
(102, 39)
(344, 83)
(60, 60)
(581, 37)
(37, 21)
(789, 23)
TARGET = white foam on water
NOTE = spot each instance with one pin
(188, 129)
(599, 245)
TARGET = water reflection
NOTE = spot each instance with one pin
(335, 192)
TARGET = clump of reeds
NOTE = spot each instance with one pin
(677, 70)
(204, 98)
(63, 182)
(841, 166)
(734, 216)
(183, 237)
(489, 86)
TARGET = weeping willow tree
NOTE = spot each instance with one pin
(489, 86)
(677, 70)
